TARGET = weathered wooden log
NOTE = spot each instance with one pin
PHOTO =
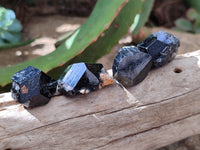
(162, 109)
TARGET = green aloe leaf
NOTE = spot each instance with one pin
(184, 24)
(17, 44)
(108, 39)
(142, 17)
(100, 19)
(64, 37)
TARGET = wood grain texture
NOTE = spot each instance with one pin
(162, 109)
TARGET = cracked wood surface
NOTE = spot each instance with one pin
(160, 110)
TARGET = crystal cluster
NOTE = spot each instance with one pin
(32, 87)
(162, 46)
(82, 78)
(131, 66)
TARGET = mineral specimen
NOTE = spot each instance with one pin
(162, 46)
(32, 87)
(81, 78)
(131, 66)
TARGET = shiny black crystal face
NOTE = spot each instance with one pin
(32, 87)
(162, 46)
(131, 66)
(80, 78)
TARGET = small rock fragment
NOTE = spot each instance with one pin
(131, 66)
(82, 78)
(162, 46)
(32, 87)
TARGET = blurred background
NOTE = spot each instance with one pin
(50, 19)
(41, 24)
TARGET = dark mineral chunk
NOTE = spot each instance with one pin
(131, 66)
(162, 46)
(81, 78)
(32, 87)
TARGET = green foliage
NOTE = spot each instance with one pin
(184, 24)
(108, 22)
(107, 39)
(191, 24)
(17, 44)
(193, 4)
(142, 16)
(112, 35)
(10, 27)
(100, 19)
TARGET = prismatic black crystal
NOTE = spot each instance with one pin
(32, 87)
(81, 78)
(162, 46)
(131, 66)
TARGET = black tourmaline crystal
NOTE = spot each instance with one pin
(162, 46)
(131, 66)
(81, 78)
(32, 87)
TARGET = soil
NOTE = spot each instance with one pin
(165, 12)
(50, 28)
